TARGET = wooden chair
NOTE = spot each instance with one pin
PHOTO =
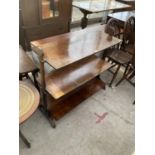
(113, 29)
(129, 72)
(129, 46)
(26, 66)
(129, 36)
(120, 56)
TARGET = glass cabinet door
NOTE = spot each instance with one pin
(49, 9)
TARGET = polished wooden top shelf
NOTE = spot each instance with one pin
(65, 49)
(62, 81)
(95, 6)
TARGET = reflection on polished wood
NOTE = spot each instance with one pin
(28, 100)
(46, 12)
(95, 6)
(122, 16)
(68, 48)
(63, 81)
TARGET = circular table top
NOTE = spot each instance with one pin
(28, 100)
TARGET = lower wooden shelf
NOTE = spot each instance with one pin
(58, 108)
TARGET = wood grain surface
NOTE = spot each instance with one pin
(65, 49)
(65, 80)
(95, 6)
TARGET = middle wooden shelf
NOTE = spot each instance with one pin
(62, 81)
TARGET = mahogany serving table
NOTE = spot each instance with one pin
(28, 103)
(96, 6)
(77, 68)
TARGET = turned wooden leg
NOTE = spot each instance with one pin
(46, 112)
(48, 116)
(44, 106)
(84, 20)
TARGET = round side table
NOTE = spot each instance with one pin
(28, 103)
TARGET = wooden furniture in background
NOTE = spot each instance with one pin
(128, 43)
(77, 69)
(50, 8)
(129, 2)
(121, 56)
(35, 26)
(96, 6)
(28, 102)
(26, 66)
(129, 72)
(122, 17)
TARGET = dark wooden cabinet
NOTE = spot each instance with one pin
(35, 23)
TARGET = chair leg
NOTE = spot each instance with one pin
(119, 81)
(114, 76)
(27, 143)
(128, 75)
(124, 75)
(132, 74)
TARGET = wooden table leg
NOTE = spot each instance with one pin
(44, 107)
(84, 20)
(44, 110)
(27, 143)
